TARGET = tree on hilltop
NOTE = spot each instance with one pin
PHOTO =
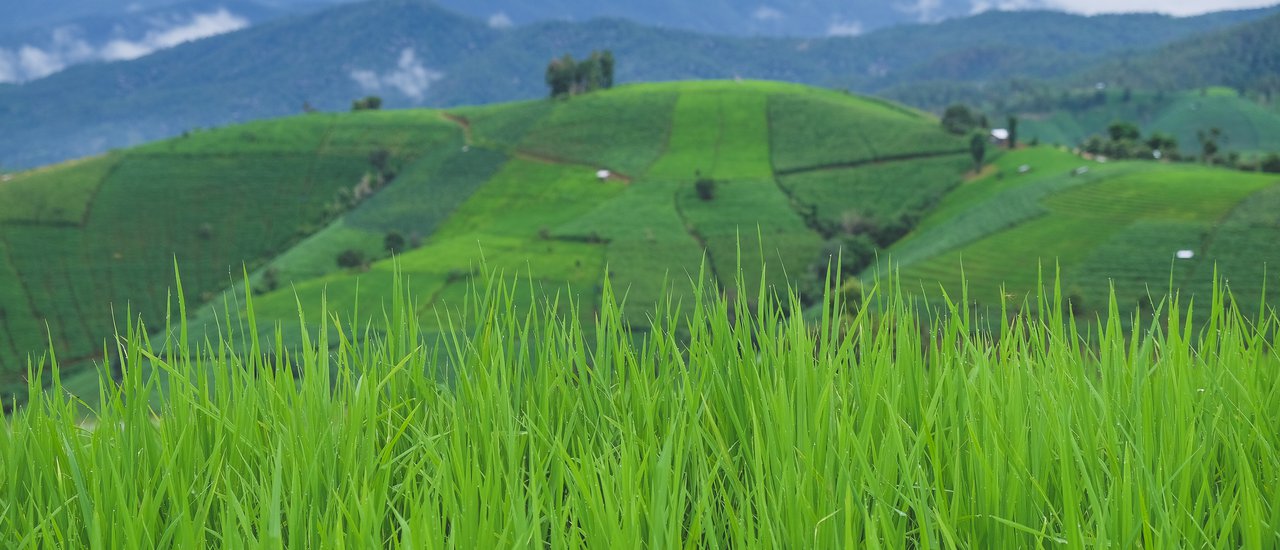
(566, 77)
(960, 120)
(369, 103)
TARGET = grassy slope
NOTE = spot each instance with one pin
(1121, 224)
(1250, 128)
(101, 242)
(545, 216)
(512, 187)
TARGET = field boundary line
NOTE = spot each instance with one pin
(697, 237)
(868, 162)
(93, 197)
(550, 159)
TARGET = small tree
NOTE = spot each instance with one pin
(1271, 164)
(978, 149)
(1209, 143)
(350, 258)
(960, 119)
(561, 75)
(369, 103)
(394, 242)
(1013, 132)
(706, 188)
(606, 69)
(1165, 143)
(1123, 131)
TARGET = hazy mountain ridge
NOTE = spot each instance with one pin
(416, 53)
(1244, 57)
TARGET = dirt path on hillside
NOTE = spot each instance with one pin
(462, 123)
(869, 162)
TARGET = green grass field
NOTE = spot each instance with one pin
(1120, 224)
(540, 198)
(734, 426)
(91, 242)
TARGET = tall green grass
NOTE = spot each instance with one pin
(725, 427)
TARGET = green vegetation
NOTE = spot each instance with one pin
(271, 70)
(1104, 225)
(534, 204)
(567, 77)
(367, 103)
(55, 195)
(826, 130)
(736, 425)
(1251, 129)
(86, 245)
(884, 200)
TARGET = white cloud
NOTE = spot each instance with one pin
(202, 25)
(979, 6)
(501, 20)
(1091, 7)
(766, 13)
(922, 10)
(841, 27)
(410, 77)
(66, 47)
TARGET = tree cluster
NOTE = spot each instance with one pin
(370, 103)
(567, 77)
(961, 119)
(1124, 141)
(1270, 164)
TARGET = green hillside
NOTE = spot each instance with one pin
(512, 187)
(1249, 128)
(1118, 224)
(1243, 57)
(545, 215)
(419, 54)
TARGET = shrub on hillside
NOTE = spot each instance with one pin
(706, 188)
(1271, 164)
(394, 242)
(350, 258)
(960, 120)
(370, 103)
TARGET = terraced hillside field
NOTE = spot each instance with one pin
(1119, 224)
(1249, 128)
(545, 215)
(512, 187)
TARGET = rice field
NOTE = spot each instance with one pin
(724, 427)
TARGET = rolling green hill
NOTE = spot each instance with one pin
(1249, 127)
(1119, 223)
(514, 187)
(276, 68)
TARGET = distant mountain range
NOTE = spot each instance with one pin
(1243, 57)
(28, 14)
(728, 17)
(416, 53)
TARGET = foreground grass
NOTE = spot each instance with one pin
(721, 429)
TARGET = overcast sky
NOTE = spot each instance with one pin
(1173, 7)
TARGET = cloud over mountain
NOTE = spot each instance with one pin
(410, 77)
(67, 46)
